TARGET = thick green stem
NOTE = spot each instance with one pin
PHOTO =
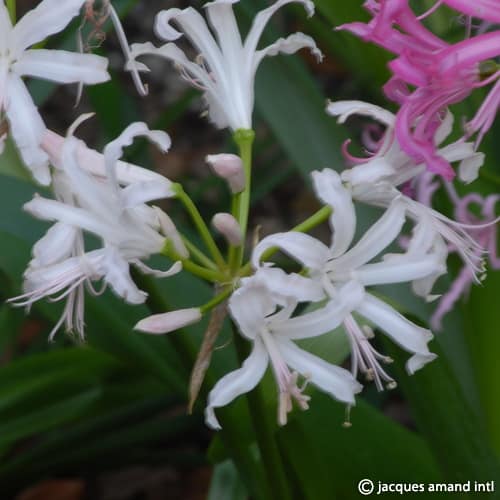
(11, 7)
(201, 226)
(241, 201)
(315, 220)
(263, 428)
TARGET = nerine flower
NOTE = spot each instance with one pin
(17, 61)
(389, 173)
(341, 263)
(262, 309)
(429, 74)
(225, 66)
(129, 229)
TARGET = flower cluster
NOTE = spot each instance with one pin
(273, 309)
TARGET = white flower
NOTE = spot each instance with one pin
(342, 263)
(262, 309)
(382, 177)
(225, 67)
(16, 61)
(129, 229)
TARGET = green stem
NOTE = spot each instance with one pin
(201, 226)
(221, 297)
(263, 428)
(199, 255)
(11, 7)
(315, 220)
(241, 202)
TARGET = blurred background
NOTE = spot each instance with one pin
(106, 419)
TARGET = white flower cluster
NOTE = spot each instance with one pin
(100, 195)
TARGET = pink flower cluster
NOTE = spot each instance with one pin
(430, 74)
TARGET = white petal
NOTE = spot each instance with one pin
(47, 18)
(368, 173)
(114, 150)
(27, 128)
(288, 45)
(376, 239)
(468, 169)
(304, 248)
(62, 66)
(249, 306)
(344, 109)
(56, 245)
(175, 268)
(331, 379)
(444, 130)
(5, 27)
(169, 322)
(322, 320)
(329, 189)
(237, 382)
(143, 192)
(116, 273)
(263, 17)
(409, 336)
(398, 270)
(93, 162)
(292, 285)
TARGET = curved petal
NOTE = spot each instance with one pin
(331, 379)
(47, 18)
(345, 109)
(304, 248)
(142, 192)
(249, 306)
(376, 239)
(62, 66)
(292, 285)
(409, 336)
(399, 269)
(114, 150)
(27, 128)
(93, 162)
(288, 45)
(262, 18)
(329, 189)
(237, 382)
(56, 245)
(117, 274)
(322, 320)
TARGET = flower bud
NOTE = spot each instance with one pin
(229, 227)
(230, 168)
(168, 322)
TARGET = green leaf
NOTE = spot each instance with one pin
(226, 484)
(328, 460)
(453, 429)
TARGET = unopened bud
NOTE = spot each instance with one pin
(169, 230)
(230, 168)
(229, 227)
(168, 322)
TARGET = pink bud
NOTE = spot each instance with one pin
(229, 227)
(230, 168)
(168, 322)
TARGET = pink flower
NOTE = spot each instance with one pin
(429, 74)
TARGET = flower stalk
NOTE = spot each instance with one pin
(241, 201)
